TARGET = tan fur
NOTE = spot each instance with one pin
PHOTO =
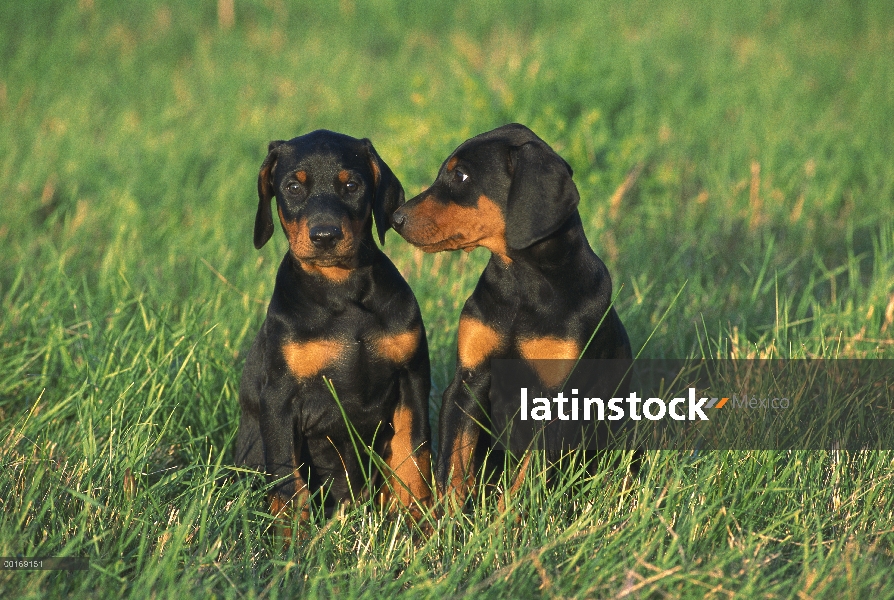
(462, 475)
(374, 167)
(555, 357)
(335, 274)
(399, 347)
(410, 476)
(476, 341)
(343, 255)
(307, 359)
(285, 510)
(435, 226)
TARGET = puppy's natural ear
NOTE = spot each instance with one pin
(541, 196)
(389, 193)
(264, 218)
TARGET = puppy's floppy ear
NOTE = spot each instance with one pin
(389, 193)
(541, 196)
(264, 218)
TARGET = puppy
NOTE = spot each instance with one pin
(543, 295)
(342, 316)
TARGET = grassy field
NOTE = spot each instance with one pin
(735, 166)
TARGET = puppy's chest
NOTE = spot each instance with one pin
(543, 321)
(356, 348)
(524, 308)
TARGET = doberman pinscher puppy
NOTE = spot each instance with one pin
(542, 295)
(340, 312)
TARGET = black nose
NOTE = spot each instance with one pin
(325, 237)
(397, 220)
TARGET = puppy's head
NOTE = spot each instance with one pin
(504, 189)
(328, 188)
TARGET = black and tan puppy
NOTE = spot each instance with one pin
(341, 312)
(542, 295)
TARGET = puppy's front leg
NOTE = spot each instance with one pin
(282, 457)
(465, 405)
(408, 453)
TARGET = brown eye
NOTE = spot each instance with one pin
(351, 186)
(459, 176)
(294, 188)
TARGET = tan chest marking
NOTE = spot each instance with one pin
(398, 348)
(476, 341)
(307, 359)
(555, 357)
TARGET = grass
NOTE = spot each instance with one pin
(734, 156)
